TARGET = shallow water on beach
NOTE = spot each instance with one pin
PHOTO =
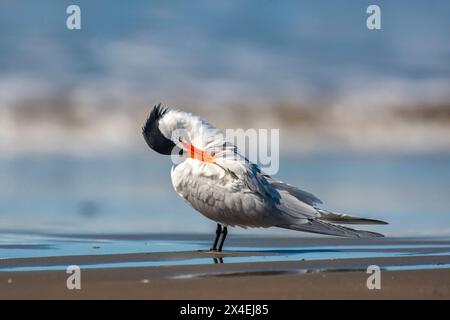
(67, 206)
(17, 251)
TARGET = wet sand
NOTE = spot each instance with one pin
(418, 269)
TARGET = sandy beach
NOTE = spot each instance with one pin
(253, 269)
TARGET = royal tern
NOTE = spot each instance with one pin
(220, 183)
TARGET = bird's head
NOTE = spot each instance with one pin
(155, 132)
(172, 132)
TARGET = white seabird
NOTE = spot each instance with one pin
(220, 183)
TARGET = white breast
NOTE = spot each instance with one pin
(220, 196)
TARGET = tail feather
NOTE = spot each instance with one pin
(321, 227)
(341, 218)
(298, 211)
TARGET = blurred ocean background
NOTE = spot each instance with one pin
(364, 116)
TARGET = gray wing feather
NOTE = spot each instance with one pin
(316, 226)
(301, 195)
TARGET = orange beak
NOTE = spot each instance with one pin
(198, 154)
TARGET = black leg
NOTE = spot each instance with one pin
(216, 240)
(222, 239)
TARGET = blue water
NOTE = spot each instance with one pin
(133, 193)
(16, 246)
(220, 52)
